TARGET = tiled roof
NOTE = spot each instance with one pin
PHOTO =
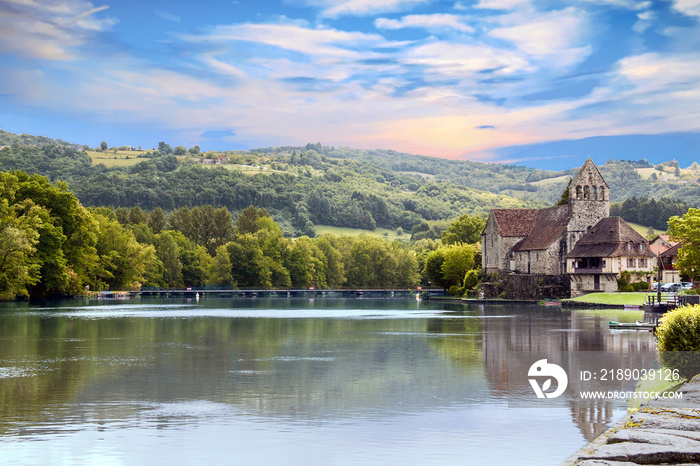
(547, 228)
(658, 248)
(672, 251)
(663, 240)
(610, 238)
(515, 222)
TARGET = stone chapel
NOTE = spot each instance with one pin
(536, 241)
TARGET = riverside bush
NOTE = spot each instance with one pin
(678, 337)
(679, 329)
(641, 286)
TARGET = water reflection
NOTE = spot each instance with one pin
(542, 330)
(377, 370)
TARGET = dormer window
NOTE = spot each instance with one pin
(630, 247)
(641, 247)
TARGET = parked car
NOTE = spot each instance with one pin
(671, 287)
(686, 285)
(655, 286)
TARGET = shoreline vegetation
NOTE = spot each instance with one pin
(51, 245)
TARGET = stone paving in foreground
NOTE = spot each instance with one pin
(662, 432)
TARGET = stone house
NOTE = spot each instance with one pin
(666, 252)
(604, 252)
(661, 243)
(536, 241)
(668, 259)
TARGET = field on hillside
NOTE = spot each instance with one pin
(379, 232)
(547, 181)
(118, 159)
(131, 158)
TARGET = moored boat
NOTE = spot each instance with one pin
(639, 325)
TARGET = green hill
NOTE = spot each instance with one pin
(339, 187)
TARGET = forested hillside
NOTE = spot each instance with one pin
(298, 186)
(320, 185)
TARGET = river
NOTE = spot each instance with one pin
(292, 381)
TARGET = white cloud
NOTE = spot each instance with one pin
(336, 8)
(628, 4)
(688, 7)
(463, 58)
(48, 31)
(556, 36)
(502, 4)
(168, 16)
(434, 21)
(644, 21)
(221, 66)
(331, 42)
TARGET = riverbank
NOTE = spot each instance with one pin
(662, 431)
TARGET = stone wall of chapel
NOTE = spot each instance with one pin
(532, 286)
(584, 214)
(491, 255)
(589, 202)
(541, 261)
(507, 245)
(495, 249)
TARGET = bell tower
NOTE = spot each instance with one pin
(589, 202)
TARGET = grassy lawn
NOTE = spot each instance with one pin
(379, 232)
(634, 299)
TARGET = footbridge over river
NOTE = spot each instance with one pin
(293, 293)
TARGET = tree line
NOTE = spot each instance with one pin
(50, 244)
(649, 212)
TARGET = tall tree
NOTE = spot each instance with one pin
(220, 268)
(686, 230)
(66, 244)
(123, 261)
(156, 220)
(466, 229)
(247, 222)
(19, 233)
(169, 254)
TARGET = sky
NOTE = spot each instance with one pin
(538, 83)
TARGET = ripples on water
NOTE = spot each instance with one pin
(287, 381)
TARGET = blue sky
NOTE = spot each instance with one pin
(542, 83)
